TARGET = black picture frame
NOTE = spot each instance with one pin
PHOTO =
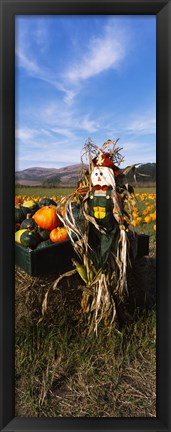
(162, 10)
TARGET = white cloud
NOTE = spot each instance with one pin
(28, 135)
(87, 124)
(40, 34)
(49, 76)
(58, 153)
(29, 65)
(64, 132)
(103, 53)
(139, 151)
(25, 134)
(65, 120)
(143, 125)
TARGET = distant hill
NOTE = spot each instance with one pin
(68, 176)
(36, 176)
(148, 169)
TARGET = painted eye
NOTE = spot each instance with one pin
(96, 173)
(101, 173)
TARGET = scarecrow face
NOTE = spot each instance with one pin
(102, 176)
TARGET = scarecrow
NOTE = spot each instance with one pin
(94, 216)
(105, 206)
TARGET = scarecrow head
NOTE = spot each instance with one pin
(104, 171)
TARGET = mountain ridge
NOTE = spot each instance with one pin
(40, 175)
(68, 175)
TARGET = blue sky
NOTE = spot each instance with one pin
(80, 77)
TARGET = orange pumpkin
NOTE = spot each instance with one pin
(148, 219)
(18, 200)
(58, 235)
(47, 218)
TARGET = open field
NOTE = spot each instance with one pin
(39, 191)
(60, 371)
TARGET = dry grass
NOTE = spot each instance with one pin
(60, 371)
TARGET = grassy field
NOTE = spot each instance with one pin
(38, 191)
(60, 371)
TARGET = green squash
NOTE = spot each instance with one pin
(44, 244)
(47, 202)
(19, 215)
(17, 227)
(18, 235)
(30, 239)
(44, 234)
(31, 205)
(28, 223)
(25, 211)
(28, 203)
